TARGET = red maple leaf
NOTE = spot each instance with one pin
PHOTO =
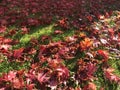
(2, 29)
(30, 86)
(103, 53)
(5, 47)
(91, 69)
(42, 77)
(18, 53)
(110, 76)
(10, 76)
(58, 32)
(18, 83)
(25, 30)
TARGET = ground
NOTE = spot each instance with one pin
(65, 54)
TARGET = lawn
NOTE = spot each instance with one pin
(48, 45)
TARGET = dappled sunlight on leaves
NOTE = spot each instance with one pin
(59, 44)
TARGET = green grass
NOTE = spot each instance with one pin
(115, 63)
(36, 33)
(7, 66)
(62, 36)
(48, 30)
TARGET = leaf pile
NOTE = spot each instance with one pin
(76, 62)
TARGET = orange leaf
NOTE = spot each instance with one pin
(86, 43)
(90, 86)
